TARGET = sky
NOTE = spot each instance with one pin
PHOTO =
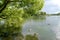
(51, 6)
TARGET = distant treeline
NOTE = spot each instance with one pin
(54, 14)
(42, 13)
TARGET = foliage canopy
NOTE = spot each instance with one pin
(15, 13)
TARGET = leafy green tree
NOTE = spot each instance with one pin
(3, 4)
(33, 6)
(13, 13)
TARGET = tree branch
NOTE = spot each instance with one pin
(4, 5)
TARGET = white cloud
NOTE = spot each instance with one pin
(55, 2)
(51, 6)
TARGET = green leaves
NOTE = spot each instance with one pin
(33, 6)
(15, 13)
(1, 2)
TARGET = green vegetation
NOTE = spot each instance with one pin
(55, 14)
(14, 12)
(21, 37)
(31, 37)
(58, 14)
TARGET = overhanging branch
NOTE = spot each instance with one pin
(5, 4)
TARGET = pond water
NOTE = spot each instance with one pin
(46, 27)
(35, 28)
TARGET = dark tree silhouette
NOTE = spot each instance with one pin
(6, 2)
(2, 7)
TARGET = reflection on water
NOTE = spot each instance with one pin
(38, 28)
(14, 33)
(31, 37)
(44, 27)
(20, 37)
(40, 18)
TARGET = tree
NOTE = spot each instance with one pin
(3, 5)
(33, 6)
(42, 13)
(12, 15)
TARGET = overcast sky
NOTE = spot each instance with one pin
(52, 6)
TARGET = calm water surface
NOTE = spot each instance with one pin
(46, 28)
